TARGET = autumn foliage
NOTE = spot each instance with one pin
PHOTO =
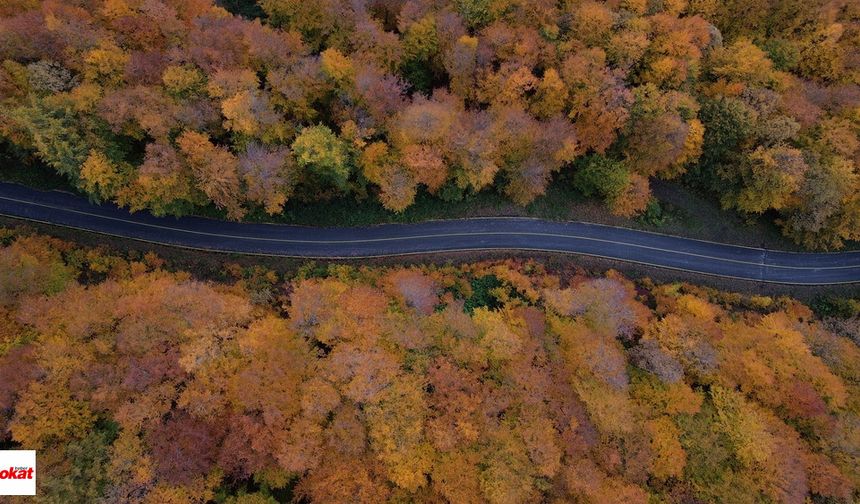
(169, 105)
(494, 382)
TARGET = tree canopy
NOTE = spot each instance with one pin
(489, 382)
(151, 103)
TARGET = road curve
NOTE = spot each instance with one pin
(504, 233)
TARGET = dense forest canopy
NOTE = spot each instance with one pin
(494, 382)
(166, 105)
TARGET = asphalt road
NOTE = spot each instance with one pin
(524, 234)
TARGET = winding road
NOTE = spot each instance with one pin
(504, 233)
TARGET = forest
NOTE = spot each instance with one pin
(172, 105)
(498, 381)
